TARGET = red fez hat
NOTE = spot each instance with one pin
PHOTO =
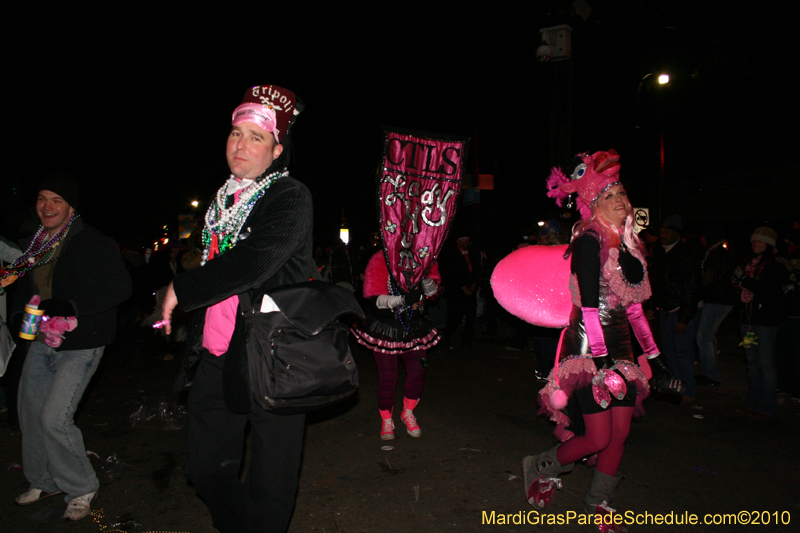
(272, 108)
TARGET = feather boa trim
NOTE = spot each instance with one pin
(556, 179)
(557, 182)
(577, 372)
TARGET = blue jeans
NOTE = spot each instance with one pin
(678, 348)
(711, 316)
(53, 453)
(762, 375)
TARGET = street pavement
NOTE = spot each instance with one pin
(478, 419)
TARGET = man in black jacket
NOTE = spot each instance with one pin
(257, 237)
(461, 276)
(676, 292)
(78, 273)
(718, 298)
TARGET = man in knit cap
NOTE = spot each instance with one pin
(257, 237)
(78, 274)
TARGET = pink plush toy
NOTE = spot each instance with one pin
(54, 328)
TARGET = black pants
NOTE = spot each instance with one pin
(264, 502)
(460, 306)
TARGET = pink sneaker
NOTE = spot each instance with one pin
(387, 425)
(409, 419)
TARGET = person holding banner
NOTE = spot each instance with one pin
(595, 373)
(397, 328)
(417, 194)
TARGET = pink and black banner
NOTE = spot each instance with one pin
(418, 193)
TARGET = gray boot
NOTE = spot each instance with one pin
(598, 497)
(540, 475)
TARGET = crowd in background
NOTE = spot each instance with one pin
(699, 278)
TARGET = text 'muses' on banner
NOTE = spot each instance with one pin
(418, 194)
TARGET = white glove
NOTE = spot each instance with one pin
(387, 301)
(429, 287)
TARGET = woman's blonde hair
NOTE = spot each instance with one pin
(609, 236)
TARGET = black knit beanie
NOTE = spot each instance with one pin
(64, 186)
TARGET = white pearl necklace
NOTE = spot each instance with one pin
(224, 222)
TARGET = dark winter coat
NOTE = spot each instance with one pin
(90, 275)
(768, 307)
(274, 249)
(456, 272)
(716, 277)
(676, 281)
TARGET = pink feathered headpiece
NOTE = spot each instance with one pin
(596, 174)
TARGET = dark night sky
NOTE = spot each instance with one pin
(136, 102)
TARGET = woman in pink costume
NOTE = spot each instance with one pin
(396, 327)
(595, 371)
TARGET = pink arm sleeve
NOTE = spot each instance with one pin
(594, 331)
(641, 328)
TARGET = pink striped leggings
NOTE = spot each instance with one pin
(387, 376)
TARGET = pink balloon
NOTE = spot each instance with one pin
(532, 283)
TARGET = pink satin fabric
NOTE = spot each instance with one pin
(594, 331)
(261, 115)
(219, 326)
(418, 197)
(221, 319)
(641, 328)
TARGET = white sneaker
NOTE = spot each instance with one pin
(33, 496)
(79, 507)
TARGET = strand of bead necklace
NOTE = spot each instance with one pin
(403, 309)
(223, 225)
(39, 252)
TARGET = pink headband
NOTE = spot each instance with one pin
(261, 115)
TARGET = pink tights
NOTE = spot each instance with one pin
(605, 436)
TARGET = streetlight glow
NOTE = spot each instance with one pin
(663, 79)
